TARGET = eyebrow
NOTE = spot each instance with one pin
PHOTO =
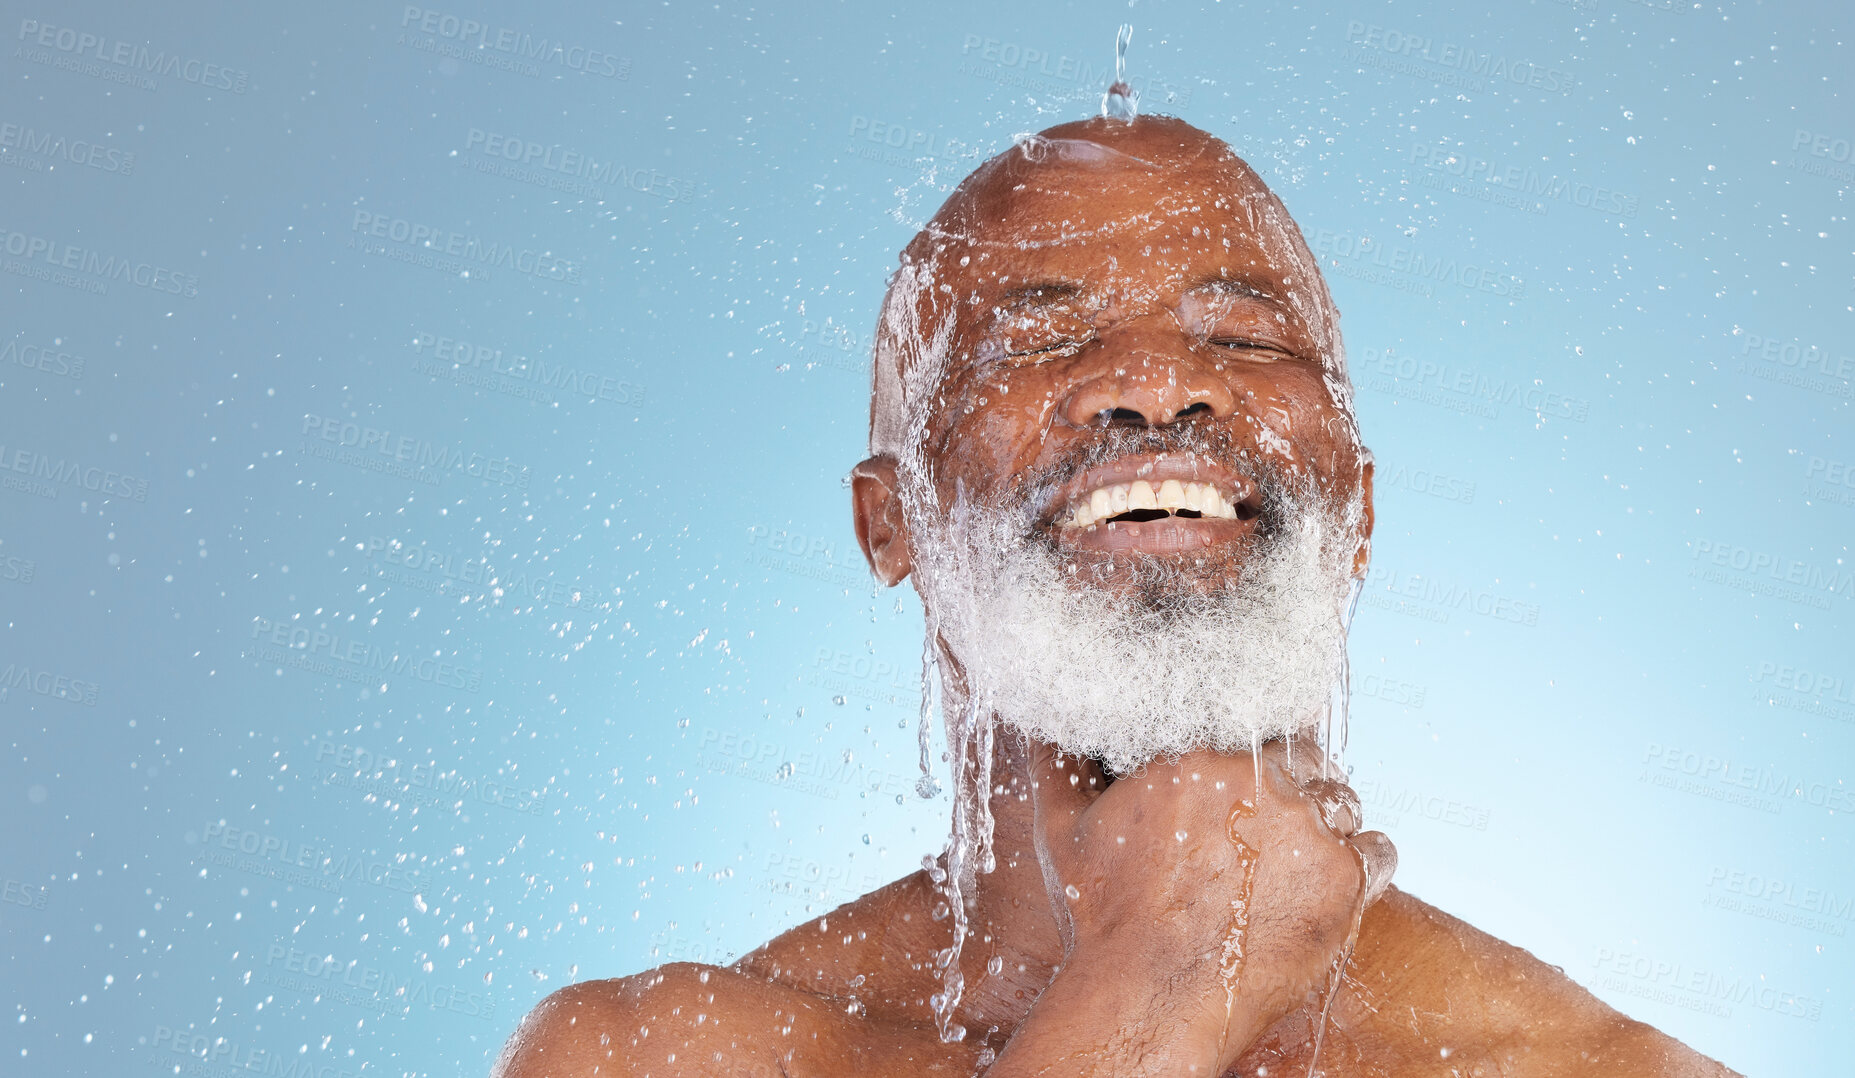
(1231, 286)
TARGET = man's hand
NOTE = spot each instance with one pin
(1201, 901)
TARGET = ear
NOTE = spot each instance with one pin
(1363, 557)
(882, 531)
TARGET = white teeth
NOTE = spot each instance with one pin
(1171, 494)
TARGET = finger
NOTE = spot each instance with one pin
(1296, 762)
(1381, 862)
(1305, 760)
(1338, 804)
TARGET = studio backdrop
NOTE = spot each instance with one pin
(426, 570)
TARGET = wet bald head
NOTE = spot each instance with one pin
(1084, 184)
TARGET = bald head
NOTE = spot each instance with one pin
(1100, 183)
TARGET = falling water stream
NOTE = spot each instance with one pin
(1121, 102)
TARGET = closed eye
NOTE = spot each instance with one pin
(1245, 344)
(1056, 348)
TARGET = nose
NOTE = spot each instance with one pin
(1147, 376)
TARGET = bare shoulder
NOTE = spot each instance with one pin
(685, 1019)
(666, 1021)
(1429, 981)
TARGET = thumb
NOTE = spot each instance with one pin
(1380, 858)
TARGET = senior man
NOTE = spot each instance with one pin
(1112, 442)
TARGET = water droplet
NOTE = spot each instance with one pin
(1121, 102)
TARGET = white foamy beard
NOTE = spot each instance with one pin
(1128, 679)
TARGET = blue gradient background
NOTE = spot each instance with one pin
(1587, 731)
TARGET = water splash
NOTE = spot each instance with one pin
(1337, 972)
(1231, 965)
(926, 786)
(1121, 102)
(969, 847)
(1339, 708)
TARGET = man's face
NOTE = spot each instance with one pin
(1130, 489)
(1127, 356)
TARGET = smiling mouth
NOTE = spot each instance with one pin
(1159, 504)
(1140, 501)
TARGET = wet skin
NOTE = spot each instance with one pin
(1127, 289)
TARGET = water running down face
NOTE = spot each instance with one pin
(1113, 441)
